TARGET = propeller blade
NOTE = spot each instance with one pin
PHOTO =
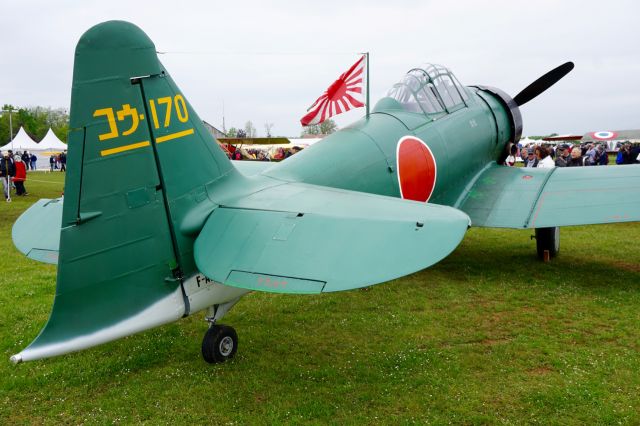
(543, 83)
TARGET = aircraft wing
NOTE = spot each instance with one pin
(36, 233)
(300, 238)
(514, 197)
(611, 136)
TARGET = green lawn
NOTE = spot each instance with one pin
(489, 335)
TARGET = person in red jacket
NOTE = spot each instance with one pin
(20, 176)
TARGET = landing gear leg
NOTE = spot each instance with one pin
(548, 239)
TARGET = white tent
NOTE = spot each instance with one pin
(21, 142)
(51, 142)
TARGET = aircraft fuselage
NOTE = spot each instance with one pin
(365, 156)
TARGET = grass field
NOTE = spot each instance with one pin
(489, 335)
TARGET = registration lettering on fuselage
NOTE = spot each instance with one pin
(126, 121)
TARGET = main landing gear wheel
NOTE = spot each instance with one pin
(220, 343)
(548, 239)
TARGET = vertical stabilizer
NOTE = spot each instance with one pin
(139, 160)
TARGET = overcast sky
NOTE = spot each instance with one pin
(268, 61)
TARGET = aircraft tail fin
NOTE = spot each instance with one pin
(139, 157)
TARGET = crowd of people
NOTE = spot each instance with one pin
(269, 153)
(29, 159)
(564, 155)
(14, 167)
(13, 173)
(58, 162)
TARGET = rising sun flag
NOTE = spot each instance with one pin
(344, 94)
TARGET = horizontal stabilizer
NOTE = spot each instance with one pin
(298, 238)
(251, 168)
(36, 233)
(518, 197)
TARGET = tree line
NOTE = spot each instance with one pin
(36, 121)
(249, 131)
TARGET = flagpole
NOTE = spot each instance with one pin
(367, 100)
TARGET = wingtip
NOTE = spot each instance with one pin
(16, 359)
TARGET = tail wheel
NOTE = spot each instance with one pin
(548, 239)
(219, 344)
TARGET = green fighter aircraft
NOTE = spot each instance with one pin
(147, 238)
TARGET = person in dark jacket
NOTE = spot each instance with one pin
(531, 160)
(26, 159)
(7, 170)
(576, 159)
(63, 161)
(602, 158)
(563, 155)
(626, 155)
(33, 161)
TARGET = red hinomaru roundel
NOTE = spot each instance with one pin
(417, 169)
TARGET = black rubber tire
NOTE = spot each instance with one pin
(219, 344)
(548, 239)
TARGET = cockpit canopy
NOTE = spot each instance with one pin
(430, 89)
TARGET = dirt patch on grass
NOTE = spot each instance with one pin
(631, 267)
(492, 342)
(482, 302)
(540, 371)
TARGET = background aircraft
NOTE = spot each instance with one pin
(158, 224)
(611, 139)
